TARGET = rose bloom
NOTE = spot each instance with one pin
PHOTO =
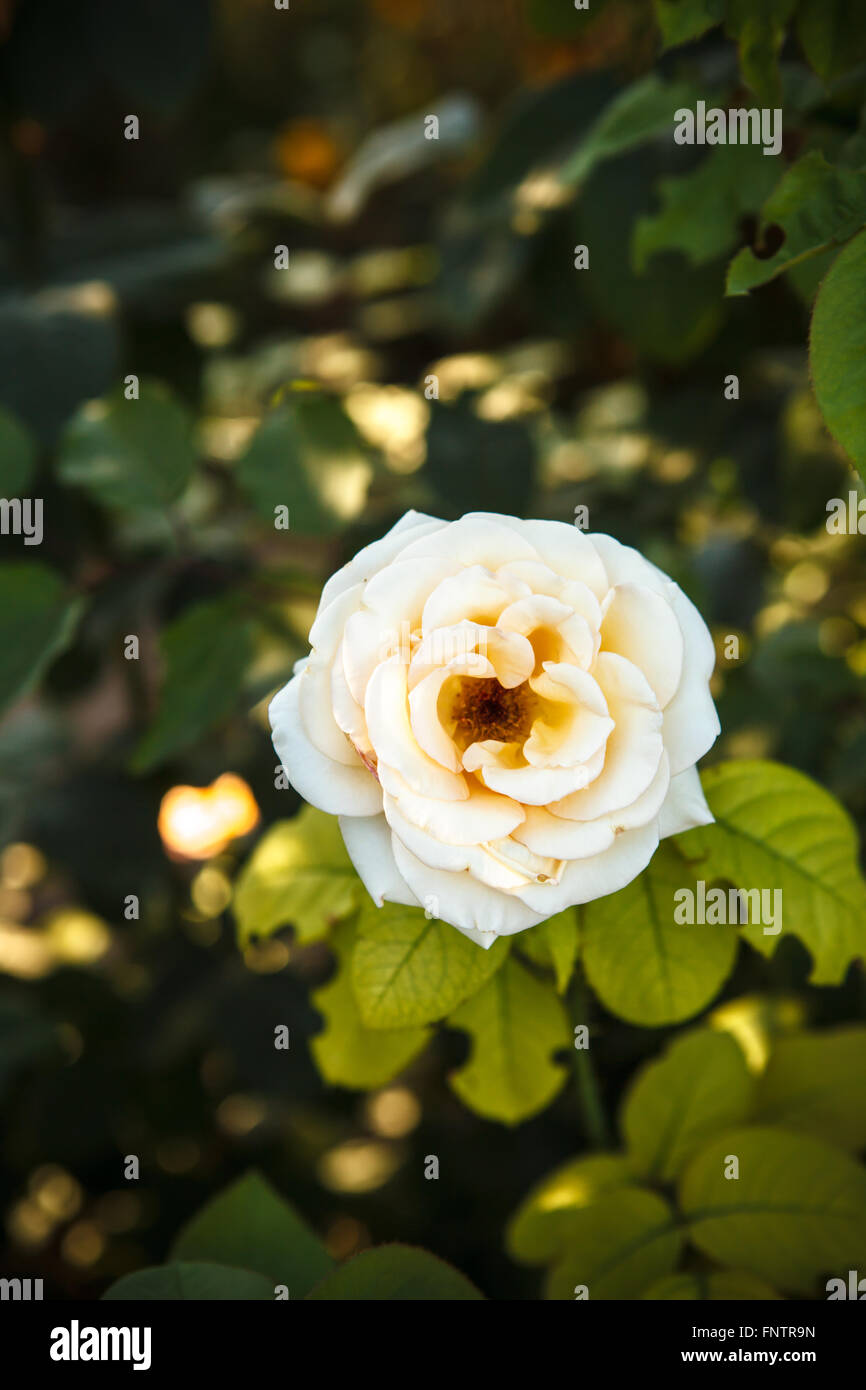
(504, 714)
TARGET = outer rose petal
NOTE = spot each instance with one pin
(642, 626)
(375, 556)
(339, 790)
(317, 713)
(685, 805)
(586, 879)
(565, 549)
(691, 724)
(480, 912)
(368, 842)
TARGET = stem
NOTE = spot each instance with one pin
(595, 1124)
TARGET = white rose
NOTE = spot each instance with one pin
(505, 714)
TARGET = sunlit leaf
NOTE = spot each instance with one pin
(409, 969)
(778, 832)
(643, 965)
(515, 1024)
(542, 1228)
(347, 1053)
(553, 944)
(816, 1083)
(700, 1085)
(624, 1241)
(797, 1210)
(299, 874)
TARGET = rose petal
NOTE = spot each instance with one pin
(375, 556)
(498, 766)
(691, 724)
(332, 787)
(586, 879)
(317, 715)
(483, 816)
(565, 549)
(634, 748)
(473, 594)
(685, 805)
(386, 709)
(510, 654)
(641, 625)
(470, 906)
(577, 723)
(545, 833)
(424, 708)
(368, 843)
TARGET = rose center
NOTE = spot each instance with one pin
(484, 709)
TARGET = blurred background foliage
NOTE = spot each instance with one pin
(409, 259)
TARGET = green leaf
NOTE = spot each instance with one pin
(515, 1024)
(645, 967)
(542, 1228)
(298, 874)
(816, 1082)
(776, 829)
(683, 20)
(796, 1211)
(701, 211)
(206, 652)
(553, 944)
(17, 455)
(191, 1281)
(251, 1226)
(132, 454)
(670, 315)
(395, 1273)
(832, 35)
(410, 969)
(637, 114)
(836, 350)
(538, 122)
(620, 1244)
(701, 1085)
(724, 1285)
(816, 205)
(347, 1053)
(759, 31)
(307, 456)
(37, 621)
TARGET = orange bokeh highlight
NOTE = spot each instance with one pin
(198, 822)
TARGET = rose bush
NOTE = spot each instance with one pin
(505, 715)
